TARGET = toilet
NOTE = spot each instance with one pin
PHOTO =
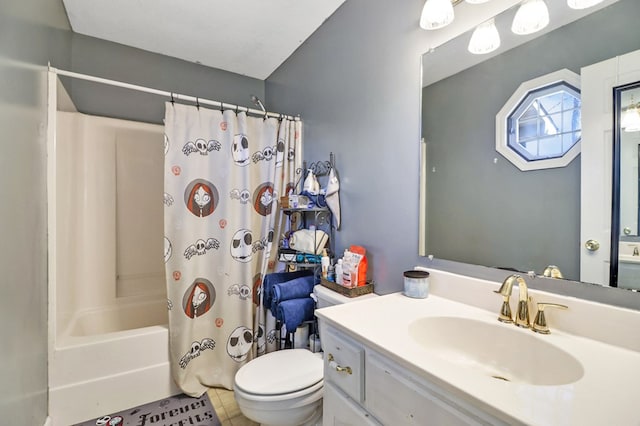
(284, 388)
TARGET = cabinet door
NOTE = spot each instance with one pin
(344, 364)
(340, 410)
(394, 399)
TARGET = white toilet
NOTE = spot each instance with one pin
(284, 388)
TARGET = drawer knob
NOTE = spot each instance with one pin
(334, 365)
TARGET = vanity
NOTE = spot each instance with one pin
(447, 360)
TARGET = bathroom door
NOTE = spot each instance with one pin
(598, 81)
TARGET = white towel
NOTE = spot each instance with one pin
(332, 197)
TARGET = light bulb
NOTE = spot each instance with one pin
(436, 14)
(485, 38)
(631, 120)
(532, 16)
(582, 4)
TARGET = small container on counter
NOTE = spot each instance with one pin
(416, 284)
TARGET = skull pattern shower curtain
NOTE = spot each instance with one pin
(224, 172)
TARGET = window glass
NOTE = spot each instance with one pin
(546, 124)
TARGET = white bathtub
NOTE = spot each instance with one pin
(108, 336)
(110, 359)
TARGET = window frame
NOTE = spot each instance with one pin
(515, 102)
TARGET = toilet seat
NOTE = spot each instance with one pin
(281, 373)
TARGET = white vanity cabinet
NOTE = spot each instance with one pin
(363, 387)
(339, 409)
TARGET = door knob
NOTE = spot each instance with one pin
(592, 245)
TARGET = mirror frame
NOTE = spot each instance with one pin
(615, 181)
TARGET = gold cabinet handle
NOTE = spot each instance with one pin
(333, 364)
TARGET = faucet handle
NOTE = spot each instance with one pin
(505, 311)
(540, 322)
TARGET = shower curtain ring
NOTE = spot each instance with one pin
(173, 101)
(197, 103)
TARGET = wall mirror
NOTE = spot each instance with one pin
(480, 208)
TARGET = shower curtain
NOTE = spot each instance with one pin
(224, 173)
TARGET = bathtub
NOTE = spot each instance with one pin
(110, 359)
(108, 335)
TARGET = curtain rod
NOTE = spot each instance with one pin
(171, 95)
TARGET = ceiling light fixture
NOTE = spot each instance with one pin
(532, 16)
(582, 4)
(436, 14)
(485, 38)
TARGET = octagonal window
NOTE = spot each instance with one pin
(540, 126)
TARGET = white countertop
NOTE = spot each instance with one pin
(607, 394)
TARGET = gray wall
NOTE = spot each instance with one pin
(356, 83)
(31, 32)
(493, 214)
(127, 64)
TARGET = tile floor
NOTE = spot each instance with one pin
(227, 408)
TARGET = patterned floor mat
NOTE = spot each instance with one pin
(179, 410)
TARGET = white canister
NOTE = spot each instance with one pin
(301, 337)
(416, 284)
(314, 343)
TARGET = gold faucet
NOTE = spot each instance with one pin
(522, 313)
(552, 271)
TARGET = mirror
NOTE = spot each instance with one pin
(480, 208)
(626, 179)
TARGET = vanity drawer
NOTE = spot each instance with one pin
(344, 364)
(393, 398)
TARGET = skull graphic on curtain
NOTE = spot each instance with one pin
(224, 173)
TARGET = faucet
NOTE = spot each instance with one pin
(522, 313)
(635, 251)
(552, 271)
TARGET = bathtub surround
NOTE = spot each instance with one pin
(223, 173)
(177, 410)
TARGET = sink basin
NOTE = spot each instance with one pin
(499, 351)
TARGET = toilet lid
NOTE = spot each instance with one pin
(280, 372)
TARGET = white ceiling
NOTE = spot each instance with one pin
(248, 37)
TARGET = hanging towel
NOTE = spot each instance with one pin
(294, 312)
(279, 277)
(332, 197)
(293, 289)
